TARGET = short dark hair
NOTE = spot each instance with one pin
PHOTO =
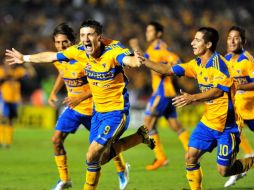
(158, 27)
(210, 35)
(93, 24)
(241, 32)
(65, 29)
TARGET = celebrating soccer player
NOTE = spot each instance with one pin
(79, 110)
(160, 103)
(242, 64)
(218, 127)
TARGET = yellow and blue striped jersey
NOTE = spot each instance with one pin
(243, 73)
(76, 83)
(105, 74)
(10, 77)
(158, 52)
(219, 113)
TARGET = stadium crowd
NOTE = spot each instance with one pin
(28, 26)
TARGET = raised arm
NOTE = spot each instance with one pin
(53, 95)
(14, 56)
(246, 87)
(163, 69)
(133, 61)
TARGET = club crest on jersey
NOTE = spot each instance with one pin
(104, 65)
(74, 74)
(238, 71)
(206, 79)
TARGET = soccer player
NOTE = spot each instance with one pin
(242, 64)
(160, 103)
(218, 126)
(103, 61)
(10, 88)
(78, 111)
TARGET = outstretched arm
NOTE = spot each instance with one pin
(186, 99)
(14, 56)
(133, 61)
(246, 87)
(163, 69)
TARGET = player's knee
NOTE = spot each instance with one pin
(223, 171)
(190, 158)
(94, 152)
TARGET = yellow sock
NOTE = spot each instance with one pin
(245, 145)
(61, 162)
(92, 176)
(8, 134)
(119, 163)
(184, 138)
(158, 150)
(194, 176)
(1, 134)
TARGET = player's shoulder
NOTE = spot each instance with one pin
(114, 44)
(246, 55)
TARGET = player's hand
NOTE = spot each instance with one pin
(134, 44)
(13, 56)
(72, 102)
(182, 100)
(52, 100)
(139, 57)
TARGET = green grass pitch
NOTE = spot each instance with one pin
(29, 164)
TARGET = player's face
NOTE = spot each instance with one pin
(61, 42)
(234, 41)
(150, 33)
(90, 39)
(198, 44)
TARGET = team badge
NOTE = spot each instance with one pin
(74, 74)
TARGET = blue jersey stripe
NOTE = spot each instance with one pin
(178, 70)
(61, 57)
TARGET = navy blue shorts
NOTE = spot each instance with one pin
(108, 126)
(70, 120)
(206, 139)
(160, 106)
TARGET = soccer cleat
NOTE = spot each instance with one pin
(249, 155)
(157, 164)
(143, 131)
(124, 177)
(232, 179)
(62, 185)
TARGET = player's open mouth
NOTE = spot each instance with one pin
(88, 47)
